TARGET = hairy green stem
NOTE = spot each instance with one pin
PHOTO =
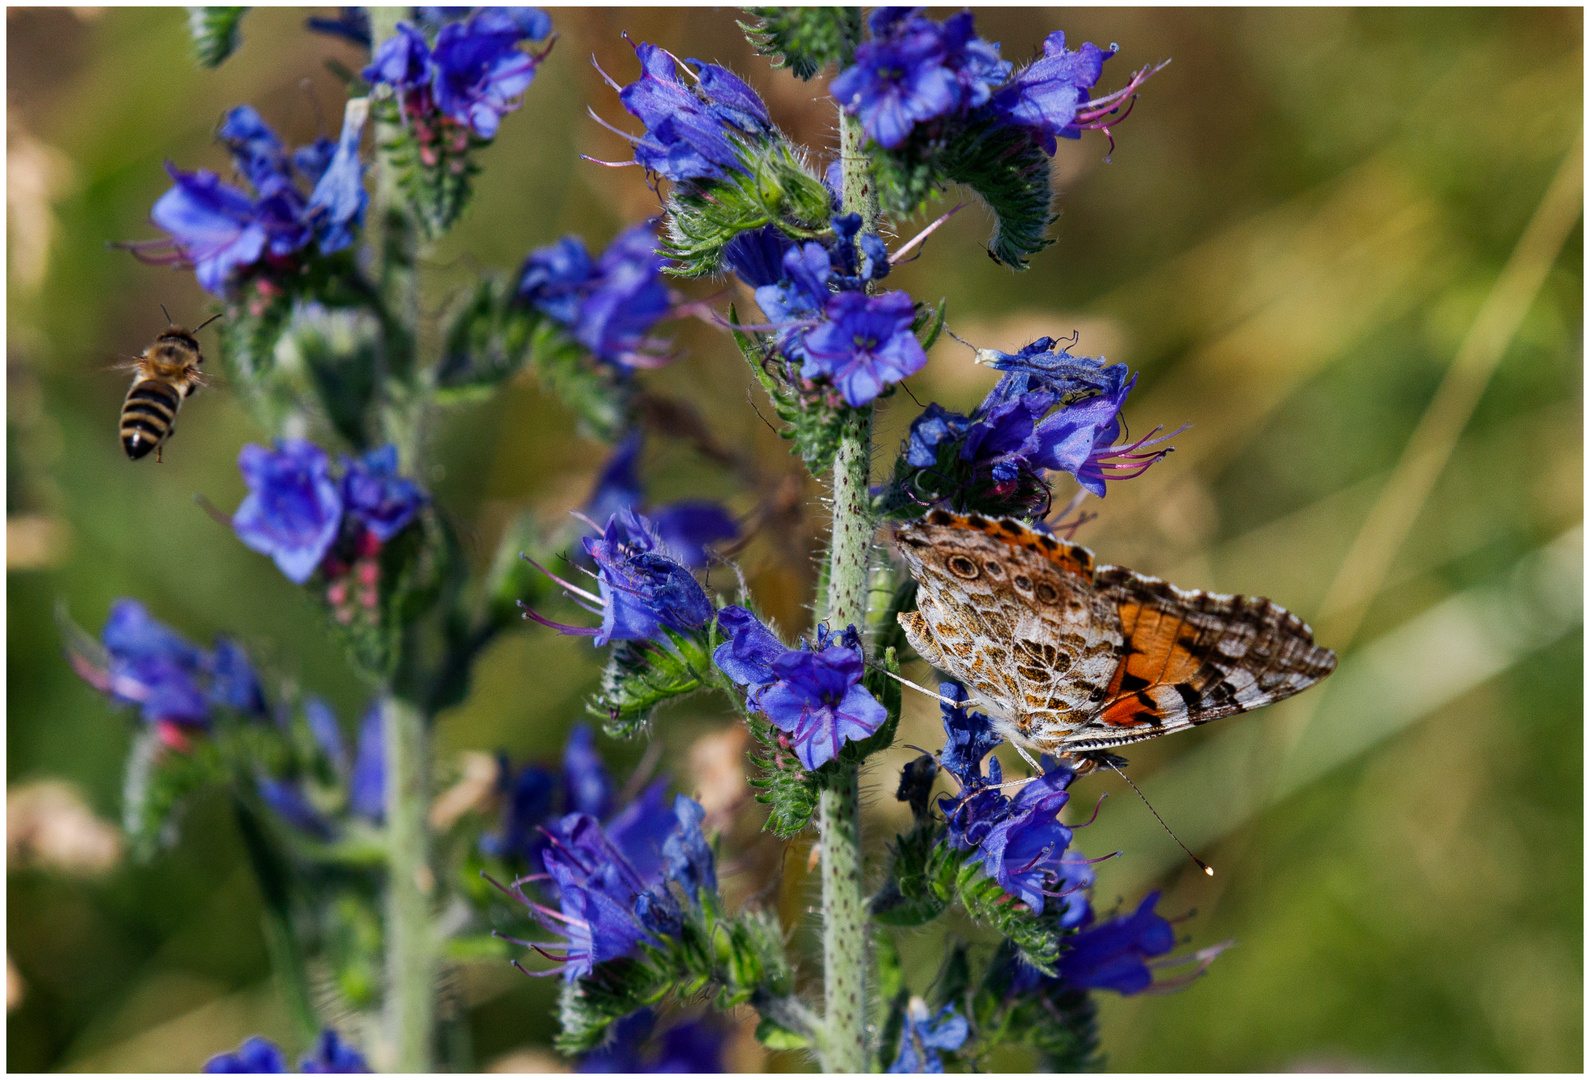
(410, 940)
(843, 1045)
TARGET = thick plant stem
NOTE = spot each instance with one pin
(844, 1038)
(410, 1016)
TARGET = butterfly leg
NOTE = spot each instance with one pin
(1027, 757)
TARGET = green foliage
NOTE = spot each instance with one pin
(734, 961)
(641, 675)
(805, 39)
(487, 343)
(813, 418)
(887, 691)
(774, 188)
(1057, 1021)
(432, 161)
(157, 783)
(353, 943)
(784, 784)
(341, 354)
(1002, 164)
(215, 33)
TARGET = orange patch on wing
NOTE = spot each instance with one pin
(1072, 558)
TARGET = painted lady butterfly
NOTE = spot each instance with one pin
(1070, 658)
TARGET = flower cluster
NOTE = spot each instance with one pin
(175, 684)
(609, 304)
(302, 517)
(915, 72)
(1019, 842)
(643, 593)
(812, 292)
(925, 1035)
(219, 229)
(473, 76)
(364, 779)
(1051, 411)
(330, 1055)
(685, 529)
(813, 694)
(617, 886)
(693, 132)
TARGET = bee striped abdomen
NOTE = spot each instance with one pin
(148, 415)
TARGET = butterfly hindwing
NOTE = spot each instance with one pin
(1191, 657)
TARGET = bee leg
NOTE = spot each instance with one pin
(158, 448)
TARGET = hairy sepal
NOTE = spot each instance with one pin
(1003, 165)
(433, 162)
(789, 791)
(774, 188)
(215, 33)
(813, 417)
(641, 675)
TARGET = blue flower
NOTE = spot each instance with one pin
(925, 1036)
(975, 62)
(337, 203)
(256, 150)
(693, 1047)
(332, 1055)
(327, 733)
(974, 813)
(610, 305)
(587, 787)
(403, 61)
(864, 345)
(1047, 367)
(479, 72)
(757, 255)
(212, 225)
(747, 654)
(1080, 439)
(692, 133)
(816, 698)
(352, 24)
(642, 591)
(688, 529)
(1112, 955)
(293, 509)
(256, 1055)
(555, 278)
(898, 81)
(1046, 95)
(374, 493)
(687, 857)
(150, 665)
(935, 426)
(1023, 851)
(969, 737)
(597, 891)
(367, 781)
(527, 803)
(233, 684)
(287, 799)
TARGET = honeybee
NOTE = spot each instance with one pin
(166, 373)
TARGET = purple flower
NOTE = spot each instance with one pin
(527, 798)
(151, 666)
(233, 684)
(1046, 95)
(337, 203)
(597, 891)
(642, 591)
(925, 1036)
(1046, 367)
(609, 306)
(332, 1055)
(403, 61)
(693, 1047)
(975, 62)
(555, 278)
(688, 529)
(352, 24)
(587, 788)
(327, 733)
(212, 225)
(1080, 439)
(256, 1055)
(816, 697)
(748, 653)
(293, 509)
(374, 493)
(1112, 955)
(367, 781)
(479, 72)
(934, 427)
(1023, 851)
(757, 255)
(641, 830)
(864, 345)
(898, 82)
(974, 813)
(692, 133)
(969, 737)
(256, 150)
(687, 857)
(287, 800)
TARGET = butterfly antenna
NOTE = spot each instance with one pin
(1205, 867)
(918, 687)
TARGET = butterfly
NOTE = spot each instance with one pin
(1071, 659)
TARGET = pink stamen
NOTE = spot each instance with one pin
(575, 589)
(562, 628)
(608, 79)
(1095, 816)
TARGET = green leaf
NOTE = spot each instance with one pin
(1004, 165)
(488, 341)
(774, 1037)
(785, 786)
(342, 350)
(157, 783)
(215, 33)
(805, 39)
(354, 949)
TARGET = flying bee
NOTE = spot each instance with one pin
(166, 373)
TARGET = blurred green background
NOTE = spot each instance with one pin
(1308, 241)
